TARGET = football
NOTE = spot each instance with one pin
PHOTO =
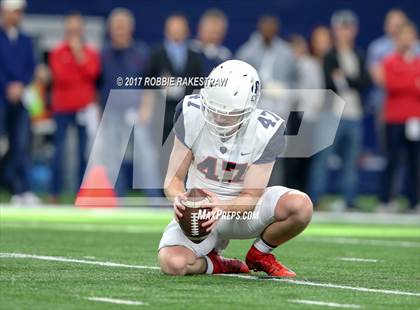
(194, 215)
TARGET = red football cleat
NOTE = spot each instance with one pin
(259, 261)
(227, 265)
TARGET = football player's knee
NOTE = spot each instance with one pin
(175, 265)
(303, 209)
(299, 206)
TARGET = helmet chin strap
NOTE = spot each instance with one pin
(216, 133)
(227, 136)
(232, 133)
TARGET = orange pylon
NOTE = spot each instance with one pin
(96, 190)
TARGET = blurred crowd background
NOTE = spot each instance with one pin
(59, 61)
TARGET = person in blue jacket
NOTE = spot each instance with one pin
(17, 65)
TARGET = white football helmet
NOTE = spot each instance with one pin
(228, 107)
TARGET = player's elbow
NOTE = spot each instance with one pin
(167, 186)
(167, 192)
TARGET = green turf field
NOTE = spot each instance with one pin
(59, 258)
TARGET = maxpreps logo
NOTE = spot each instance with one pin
(204, 214)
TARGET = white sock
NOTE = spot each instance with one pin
(209, 265)
(262, 246)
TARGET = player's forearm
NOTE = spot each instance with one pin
(174, 188)
(242, 203)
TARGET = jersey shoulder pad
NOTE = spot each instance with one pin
(270, 136)
(188, 121)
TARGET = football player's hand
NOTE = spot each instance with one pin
(216, 211)
(178, 206)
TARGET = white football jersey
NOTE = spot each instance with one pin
(220, 166)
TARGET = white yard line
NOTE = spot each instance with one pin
(365, 218)
(118, 301)
(342, 240)
(357, 259)
(322, 303)
(136, 229)
(318, 217)
(242, 276)
(72, 260)
(330, 285)
(101, 228)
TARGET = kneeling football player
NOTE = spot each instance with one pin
(227, 147)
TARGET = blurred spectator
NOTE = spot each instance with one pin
(309, 69)
(35, 96)
(74, 67)
(321, 43)
(270, 55)
(174, 57)
(378, 50)
(345, 74)
(3, 83)
(274, 61)
(122, 56)
(17, 65)
(401, 78)
(309, 76)
(212, 29)
(126, 58)
(383, 47)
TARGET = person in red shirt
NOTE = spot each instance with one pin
(401, 78)
(75, 67)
